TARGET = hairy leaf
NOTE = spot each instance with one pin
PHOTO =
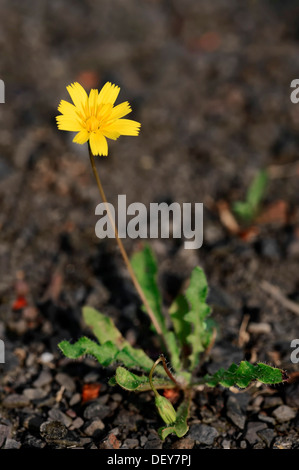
(137, 383)
(105, 354)
(145, 268)
(243, 374)
(105, 330)
(180, 427)
(200, 335)
(178, 309)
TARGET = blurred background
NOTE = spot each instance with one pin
(210, 84)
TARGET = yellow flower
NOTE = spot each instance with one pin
(95, 117)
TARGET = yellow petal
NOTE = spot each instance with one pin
(67, 108)
(92, 101)
(81, 137)
(110, 134)
(120, 110)
(78, 95)
(124, 127)
(108, 94)
(98, 144)
(66, 123)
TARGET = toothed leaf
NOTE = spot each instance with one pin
(145, 268)
(200, 335)
(132, 382)
(243, 375)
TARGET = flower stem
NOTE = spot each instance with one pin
(150, 378)
(122, 248)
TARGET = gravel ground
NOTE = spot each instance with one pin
(210, 83)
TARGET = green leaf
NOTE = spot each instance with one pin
(132, 382)
(180, 427)
(105, 354)
(257, 189)
(243, 374)
(145, 268)
(248, 209)
(178, 309)
(104, 330)
(173, 349)
(102, 326)
(200, 335)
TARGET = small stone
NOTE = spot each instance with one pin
(243, 445)
(226, 444)
(66, 381)
(184, 443)
(12, 444)
(75, 399)
(203, 434)
(43, 379)
(153, 442)
(76, 424)
(58, 415)
(94, 427)
(35, 393)
(91, 377)
(4, 432)
(266, 419)
(282, 443)
(46, 357)
(15, 401)
(111, 442)
(292, 395)
(267, 435)
(96, 410)
(131, 443)
(143, 440)
(235, 413)
(252, 429)
(272, 402)
(52, 431)
(32, 441)
(117, 397)
(284, 413)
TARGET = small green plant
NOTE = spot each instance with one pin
(191, 333)
(185, 341)
(247, 210)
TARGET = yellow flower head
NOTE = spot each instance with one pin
(94, 117)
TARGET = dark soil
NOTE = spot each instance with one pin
(210, 83)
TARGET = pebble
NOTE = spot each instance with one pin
(284, 413)
(184, 443)
(235, 413)
(110, 442)
(226, 444)
(12, 444)
(66, 381)
(4, 433)
(130, 443)
(52, 430)
(75, 399)
(76, 424)
(94, 427)
(267, 436)
(153, 442)
(32, 441)
(96, 410)
(251, 434)
(143, 440)
(43, 379)
(58, 415)
(117, 397)
(46, 357)
(35, 393)
(266, 419)
(203, 434)
(15, 401)
(272, 402)
(292, 395)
